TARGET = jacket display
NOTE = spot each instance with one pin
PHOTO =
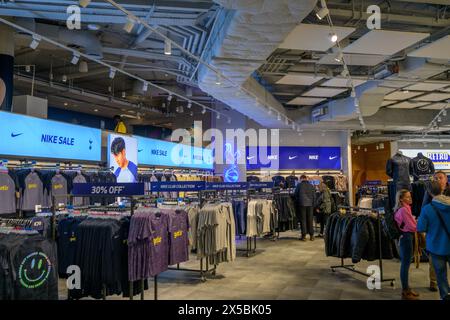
(420, 166)
(397, 168)
(356, 237)
(305, 194)
(287, 212)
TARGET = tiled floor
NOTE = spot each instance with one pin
(283, 269)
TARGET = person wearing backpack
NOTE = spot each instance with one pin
(323, 207)
(435, 221)
(407, 225)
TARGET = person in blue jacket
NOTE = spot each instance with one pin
(435, 221)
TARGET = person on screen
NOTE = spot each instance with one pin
(127, 170)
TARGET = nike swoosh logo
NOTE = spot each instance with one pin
(292, 158)
(332, 158)
(13, 135)
(140, 150)
(250, 158)
(90, 141)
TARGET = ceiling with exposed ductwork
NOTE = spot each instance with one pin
(272, 61)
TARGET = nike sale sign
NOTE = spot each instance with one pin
(323, 158)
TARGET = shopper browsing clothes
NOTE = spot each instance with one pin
(305, 195)
(435, 221)
(407, 225)
(323, 206)
(441, 178)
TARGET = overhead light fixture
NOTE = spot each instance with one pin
(83, 67)
(95, 110)
(124, 94)
(279, 117)
(167, 47)
(440, 144)
(323, 12)
(218, 116)
(191, 113)
(357, 104)
(66, 104)
(353, 93)
(439, 119)
(219, 82)
(27, 68)
(93, 27)
(203, 110)
(189, 105)
(75, 58)
(112, 73)
(64, 78)
(365, 149)
(339, 57)
(333, 37)
(35, 42)
(293, 126)
(84, 3)
(359, 147)
(269, 111)
(229, 120)
(405, 91)
(345, 72)
(145, 86)
(444, 112)
(128, 27)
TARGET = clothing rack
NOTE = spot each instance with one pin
(380, 258)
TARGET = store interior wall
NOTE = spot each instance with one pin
(369, 163)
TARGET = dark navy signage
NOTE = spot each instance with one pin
(373, 182)
(226, 186)
(108, 189)
(163, 153)
(260, 185)
(33, 137)
(283, 158)
(177, 186)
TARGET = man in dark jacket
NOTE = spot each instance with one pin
(305, 194)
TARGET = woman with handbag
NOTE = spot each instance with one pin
(435, 221)
(407, 225)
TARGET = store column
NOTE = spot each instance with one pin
(237, 171)
(346, 144)
(6, 67)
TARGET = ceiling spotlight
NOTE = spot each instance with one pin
(83, 67)
(218, 116)
(439, 119)
(167, 47)
(405, 91)
(218, 82)
(75, 58)
(145, 86)
(84, 3)
(269, 111)
(65, 104)
(64, 78)
(444, 112)
(333, 37)
(112, 73)
(279, 117)
(191, 113)
(35, 42)
(180, 109)
(189, 105)
(339, 57)
(93, 27)
(322, 13)
(203, 110)
(357, 104)
(95, 110)
(345, 72)
(27, 68)
(124, 94)
(365, 149)
(377, 147)
(229, 120)
(353, 93)
(129, 25)
(293, 126)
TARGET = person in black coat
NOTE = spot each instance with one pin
(305, 195)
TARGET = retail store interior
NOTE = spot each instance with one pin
(224, 149)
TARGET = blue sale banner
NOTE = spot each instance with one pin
(163, 153)
(108, 189)
(226, 186)
(284, 158)
(177, 186)
(26, 136)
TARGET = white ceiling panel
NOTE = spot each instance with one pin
(313, 37)
(435, 106)
(304, 101)
(342, 82)
(299, 79)
(433, 97)
(428, 86)
(323, 92)
(439, 49)
(384, 42)
(353, 59)
(402, 95)
(407, 105)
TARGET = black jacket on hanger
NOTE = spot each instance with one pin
(420, 165)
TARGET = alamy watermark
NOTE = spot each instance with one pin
(374, 281)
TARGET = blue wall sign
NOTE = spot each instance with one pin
(226, 186)
(177, 186)
(260, 185)
(282, 158)
(163, 153)
(108, 189)
(38, 138)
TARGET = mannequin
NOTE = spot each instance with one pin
(420, 166)
(291, 180)
(398, 169)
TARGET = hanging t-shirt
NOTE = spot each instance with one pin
(33, 192)
(159, 244)
(179, 237)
